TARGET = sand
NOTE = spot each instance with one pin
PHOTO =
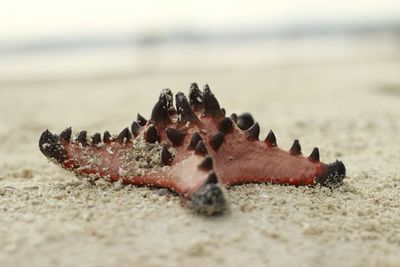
(346, 102)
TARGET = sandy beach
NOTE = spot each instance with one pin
(343, 98)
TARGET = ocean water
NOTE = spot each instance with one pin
(127, 60)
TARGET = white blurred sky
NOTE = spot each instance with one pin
(26, 19)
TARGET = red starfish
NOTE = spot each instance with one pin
(192, 150)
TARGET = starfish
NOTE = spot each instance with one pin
(193, 149)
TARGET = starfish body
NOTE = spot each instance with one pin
(193, 149)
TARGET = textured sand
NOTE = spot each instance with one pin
(346, 103)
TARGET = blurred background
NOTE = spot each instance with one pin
(48, 41)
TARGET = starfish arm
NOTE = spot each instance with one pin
(190, 175)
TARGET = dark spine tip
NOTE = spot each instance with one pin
(234, 117)
(151, 135)
(314, 156)
(175, 136)
(49, 145)
(185, 111)
(226, 125)
(141, 120)
(96, 139)
(135, 128)
(124, 136)
(195, 96)
(210, 103)
(206, 164)
(212, 178)
(66, 135)
(82, 138)
(245, 121)
(271, 139)
(166, 156)
(194, 140)
(296, 148)
(217, 140)
(253, 132)
(45, 137)
(200, 149)
(333, 174)
(160, 113)
(107, 137)
(170, 102)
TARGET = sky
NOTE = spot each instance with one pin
(32, 19)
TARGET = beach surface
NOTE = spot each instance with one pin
(343, 97)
